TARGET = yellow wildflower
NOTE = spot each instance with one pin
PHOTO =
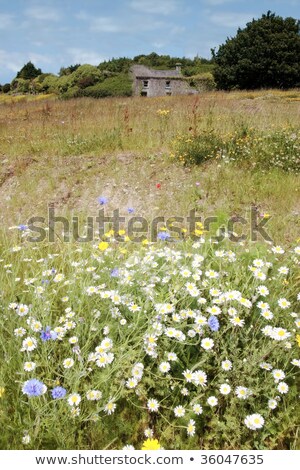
(103, 246)
(151, 444)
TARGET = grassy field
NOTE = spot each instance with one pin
(135, 335)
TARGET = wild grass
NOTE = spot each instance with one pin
(87, 126)
(68, 153)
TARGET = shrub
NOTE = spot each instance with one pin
(119, 85)
(21, 85)
(50, 83)
(280, 148)
(194, 150)
(86, 75)
(72, 92)
(95, 91)
(6, 88)
(202, 82)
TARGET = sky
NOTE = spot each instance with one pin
(57, 33)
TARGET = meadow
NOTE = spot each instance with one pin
(187, 338)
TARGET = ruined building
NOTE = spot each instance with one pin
(150, 82)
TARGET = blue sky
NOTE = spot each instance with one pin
(56, 33)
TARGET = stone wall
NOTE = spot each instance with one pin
(161, 87)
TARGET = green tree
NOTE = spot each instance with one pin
(6, 88)
(86, 75)
(68, 70)
(266, 53)
(28, 72)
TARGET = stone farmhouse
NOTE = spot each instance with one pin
(150, 82)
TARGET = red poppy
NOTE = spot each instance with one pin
(158, 185)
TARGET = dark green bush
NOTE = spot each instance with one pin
(6, 88)
(119, 85)
(202, 82)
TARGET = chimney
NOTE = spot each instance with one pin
(178, 67)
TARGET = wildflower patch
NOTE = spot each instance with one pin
(188, 344)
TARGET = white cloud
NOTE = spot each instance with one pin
(39, 58)
(11, 61)
(84, 56)
(43, 14)
(37, 43)
(159, 7)
(6, 21)
(102, 24)
(82, 15)
(159, 45)
(14, 61)
(107, 25)
(231, 20)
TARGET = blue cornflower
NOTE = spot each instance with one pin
(34, 388)
(58, 392)
(47, 334)
(102, 200)
(22, 227)
(130, 210)
(114, 272)
(213, 323)
(163, 236)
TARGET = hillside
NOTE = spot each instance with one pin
(109, 78)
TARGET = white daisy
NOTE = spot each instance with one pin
(212, 401)
(199, 378)
(110, 407)
(278, 374)
(29, 366)
(93, 395)
(272, 404)
(237, 321)
(197, 409)
(152, 405)
(188, 375)
(179, 411)
(68, 363)
(29, 344)
(225, 389)
(131, 382)
(207, 343)
(164, 367)
(255, 421)
(226, 365)
(191, 428)
(74, 399)
(282, 387)
(242, 392)
(284, 303)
